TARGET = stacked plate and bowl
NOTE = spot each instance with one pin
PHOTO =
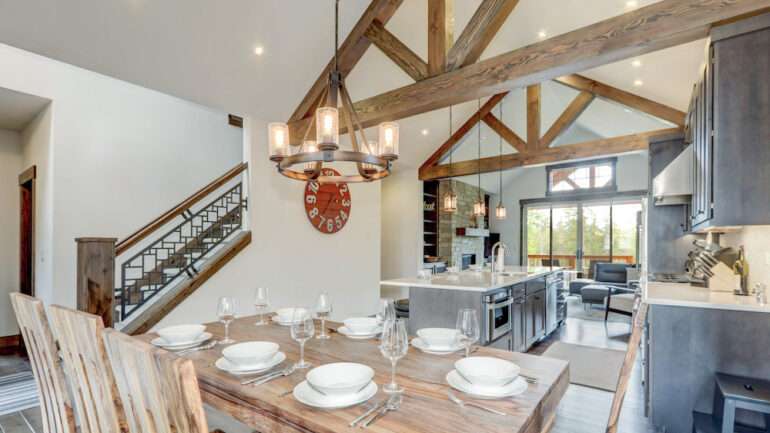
(337, 385)
(437, 341)
(487, 377)
(250, 357)
(284, 316)
(181, 337)
(360, 328)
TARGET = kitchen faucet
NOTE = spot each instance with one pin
(494, 263)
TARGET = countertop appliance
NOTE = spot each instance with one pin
(498, 314)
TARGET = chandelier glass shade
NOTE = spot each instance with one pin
(479, 209)
(500, 212)
(372, 160)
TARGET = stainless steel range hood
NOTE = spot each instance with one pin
(673, 185)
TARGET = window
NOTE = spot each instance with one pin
(581, 177)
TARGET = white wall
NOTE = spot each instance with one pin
(117, 156)
(289, 256)
(756, 240)
(10, 167)
(531, 184)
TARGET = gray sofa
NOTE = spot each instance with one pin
(606, 276)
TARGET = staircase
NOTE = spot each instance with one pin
(174, 254)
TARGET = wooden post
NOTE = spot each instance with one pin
(96, 277)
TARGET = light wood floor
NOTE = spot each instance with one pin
(582, 410)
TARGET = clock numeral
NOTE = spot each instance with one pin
(346, 202)
(313, 212)
(313, 186)
(344, 215)
(310, 199)
(322, 221)
(339, 223)
(344, 188)
(329, 226)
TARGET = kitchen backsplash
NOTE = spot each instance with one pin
(756, 240)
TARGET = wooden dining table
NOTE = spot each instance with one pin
(425, 407)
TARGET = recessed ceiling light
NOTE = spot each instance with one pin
(424, 132)
(541, 34)
(259, 50)
(631, 4)
(636, 63)
(638, 83)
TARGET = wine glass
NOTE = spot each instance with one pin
(262, 302)
(393, 345)
(467, 328)
(323, 308)
(226, 314)
(386, 310)
(302, 328)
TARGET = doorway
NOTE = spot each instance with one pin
(27, 231)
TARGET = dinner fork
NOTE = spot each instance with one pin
(470, 403)
(195, 349)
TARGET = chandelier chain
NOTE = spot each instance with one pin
(479, 146)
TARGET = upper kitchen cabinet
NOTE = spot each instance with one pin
(728, 127)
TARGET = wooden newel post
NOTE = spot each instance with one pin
(96, 277)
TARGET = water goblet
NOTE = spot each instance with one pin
(262, 302)
(302, 329)
(467, 328)
(226, 314)
(323, 308)
(394, 344)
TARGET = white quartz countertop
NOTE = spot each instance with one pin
(471, 280)
(685, 295)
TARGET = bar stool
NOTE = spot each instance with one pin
(730, 393)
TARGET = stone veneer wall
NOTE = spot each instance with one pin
(451, 246)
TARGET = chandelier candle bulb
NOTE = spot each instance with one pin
(389, 140)
(278, 136)
(327, 130)
(310, 147)
(372, 147)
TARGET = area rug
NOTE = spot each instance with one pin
(17, 392)
(576, 309)
(589, 366)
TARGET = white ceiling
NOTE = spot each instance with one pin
(18, 109)
(203, 51)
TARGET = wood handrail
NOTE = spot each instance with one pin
(185, 204)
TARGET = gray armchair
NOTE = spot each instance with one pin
(608, 277)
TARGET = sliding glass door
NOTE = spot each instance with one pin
(578, 235)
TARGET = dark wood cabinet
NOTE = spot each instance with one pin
(519, 325)
(534, 307)
(728, 129)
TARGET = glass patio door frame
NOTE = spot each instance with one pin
(579, 252)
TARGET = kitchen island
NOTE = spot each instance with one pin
(693, 333)
(516, 307)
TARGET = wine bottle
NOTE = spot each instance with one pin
(741, 272)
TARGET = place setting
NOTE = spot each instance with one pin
(181, 337)
(364, 328)
(249, 358)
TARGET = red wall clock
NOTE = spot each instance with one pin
(327, 204)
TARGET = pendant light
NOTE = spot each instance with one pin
(478, 206)
(450, 198)
(500, 209)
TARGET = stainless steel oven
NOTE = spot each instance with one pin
(498, 308)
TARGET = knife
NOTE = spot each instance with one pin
(367, 413)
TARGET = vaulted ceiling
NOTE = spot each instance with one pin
(203, 51)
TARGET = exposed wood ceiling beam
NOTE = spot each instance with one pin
(660, 25)
(566, 118)
(534, 108)
(588, 149)
(461, 131)
(401, 55)
(504, 131)
(440, 34)
(483, 26)
(621, 96)
(350, 52)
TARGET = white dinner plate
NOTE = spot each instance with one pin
(281, 322)
(418, 343)
(305, 394)
(184, 345)
(230, 367)
(516, 387)
(348, 333)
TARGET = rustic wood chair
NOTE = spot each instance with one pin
(55, 403)
(159, 389)
(93, 385)
(640, 315)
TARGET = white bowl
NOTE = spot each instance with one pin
(251, 353)
(487, 372)
(438, 337)
(285, 314)
(451, 270)
(340, 378)
(424, 274)
(361, 325)
(181, 333)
